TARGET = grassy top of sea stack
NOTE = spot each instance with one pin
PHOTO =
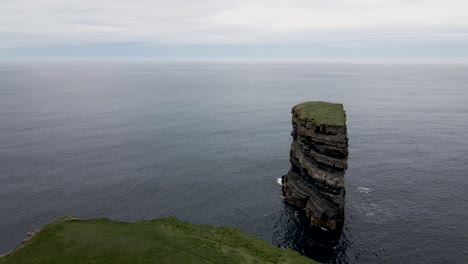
(321, 113)
(166, 240)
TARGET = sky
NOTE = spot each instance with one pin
(328, 30)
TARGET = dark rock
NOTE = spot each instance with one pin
(319, 159)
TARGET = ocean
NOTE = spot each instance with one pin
(207, 142)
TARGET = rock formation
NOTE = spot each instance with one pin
(318, 156)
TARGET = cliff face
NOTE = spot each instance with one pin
(318, 156)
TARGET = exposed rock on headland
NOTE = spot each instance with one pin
(319, 159)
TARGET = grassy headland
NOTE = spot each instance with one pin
(321, 113)
(166, 240)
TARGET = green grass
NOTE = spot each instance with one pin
(321, 113)
(166, 240)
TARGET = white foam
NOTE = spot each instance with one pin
(279, 181)
(364, 190)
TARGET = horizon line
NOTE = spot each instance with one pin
(409, 61)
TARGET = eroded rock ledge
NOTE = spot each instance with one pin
(319, 159)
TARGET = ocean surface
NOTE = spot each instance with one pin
(207, 142)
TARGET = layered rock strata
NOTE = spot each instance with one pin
(319, 157)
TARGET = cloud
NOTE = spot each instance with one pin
(26, 23)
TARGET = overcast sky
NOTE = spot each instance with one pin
(290, 29)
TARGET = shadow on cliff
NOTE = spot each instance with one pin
(293, 231)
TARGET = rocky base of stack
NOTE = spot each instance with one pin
(315, 181)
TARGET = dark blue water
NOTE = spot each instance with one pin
(206, 143)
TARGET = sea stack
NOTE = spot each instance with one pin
(319, 159)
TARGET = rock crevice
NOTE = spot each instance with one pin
(319, 159)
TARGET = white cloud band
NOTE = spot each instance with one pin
(58, 22)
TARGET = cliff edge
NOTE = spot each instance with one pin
(319, 159)
(166, 240)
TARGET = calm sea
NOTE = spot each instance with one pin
(207, 142)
